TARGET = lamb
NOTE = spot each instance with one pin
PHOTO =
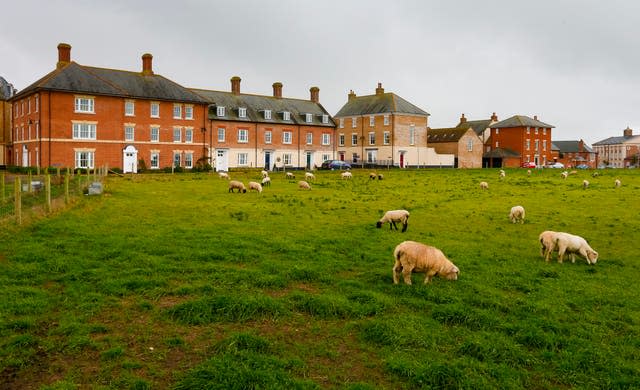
(595, 174)
(372, 175)
(517, 214)
(564, 174)
(346, 175)
(411, 256)
(290, 175)
(380, 176)
(264, 174)
(393, 216)
(502, 174)
(223, 175)
(234, 184)
(572, 244)
(484, 185)
(617, 183)
(528, 172)
(266, 181)
(255, 186)
(548, 241)
(585, 184)
(309, 176)
(304, 185)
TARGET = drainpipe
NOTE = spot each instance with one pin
(49, 127)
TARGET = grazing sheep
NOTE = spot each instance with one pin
(502, 174)
(309, 176)
(380, 176)
(255, 186)
(517, 214)
(484, 185)
(223, 175)
(411, 256)
(617, 183)
(585, 184)
(266, 181)
(572, 244)
(234, 184)
(264, 174)
(528, 172)
(548, 241)
(594, 174)
(564, 174)
(289, 175)
(573, 172)
(372, 175)
(346, 175)
(393, 216)
(304, 185)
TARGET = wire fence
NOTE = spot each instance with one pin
(23, 196)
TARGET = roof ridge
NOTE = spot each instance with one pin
(115, 86)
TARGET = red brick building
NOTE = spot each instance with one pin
(575, 153)
(517, 140)
(6, 93)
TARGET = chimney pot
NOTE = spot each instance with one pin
(64, 54)
(494, 117)
(352, 94)
(379, 90)
(628, 132)
(535, 117)
(147, 64)
(463, 119)
(277, 89)
(235, 85)
(315, 94)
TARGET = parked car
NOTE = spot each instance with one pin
(335, 164)
(555, 165)
(582, 166)
(529, 164)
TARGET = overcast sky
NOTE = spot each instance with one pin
(574, 64)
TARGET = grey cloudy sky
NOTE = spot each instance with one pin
(574, 64)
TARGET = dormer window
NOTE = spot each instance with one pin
(267, 114)
(325, 118)
(286, 115)
(220, 111)
(242, 112)
(308, 118)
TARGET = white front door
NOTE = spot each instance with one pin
(222, 160)
(25, 156)
(130, 159)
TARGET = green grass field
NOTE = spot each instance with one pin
(169, 281)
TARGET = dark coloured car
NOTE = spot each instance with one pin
(335, 164)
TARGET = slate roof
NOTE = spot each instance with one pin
(520, 121)
(77, 78)
(445, 135)
(6, 90)
(257, 104)
(571, 147)
(478, 126)
(615, 140)
(379, 103)
(501, 153)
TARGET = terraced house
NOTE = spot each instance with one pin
(271, 132)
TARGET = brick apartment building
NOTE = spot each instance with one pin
(574, 153)
(517, 140)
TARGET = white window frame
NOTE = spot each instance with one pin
(154, 110)
(412, 135)
(309, 138)
(177, 160)
(341, 121)
(177, 134)
(528, 130)
(287, 137)
(222, 133)
(536, 131)
(268, 136)
(154, 134)
(37, 103)
(221, 111)
(188, 160)
(308, 118)
(286, 115)
(386, 138)
(243, 159)
(497, 131)
(267, 114)
(372, 121)
(243, 136)
(536, 145)
(326, 139)
(354, 122)
(325, 118)
(83, 130)
(372, 138)
(372, 156)
(129, 108)
(188, 111)
(326, 157)
(354, 139)
(129, 133)
(527, 144)
(188, 135)
(386, 120)
(286, 159)
(469, 144)
(154, 160)
(84, 158)
(83, 105)
(177, 111)
(544, 144)
(341, 139)
(242, 112)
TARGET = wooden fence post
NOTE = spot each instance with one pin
(18, 200)
(47, 183)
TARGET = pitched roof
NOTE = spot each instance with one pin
(501, 153)
(520, 121)
(617, 140)
(571, 147)
(379, 103)
(257, 104)
(77, 78)
(478, 126)
(445, 135)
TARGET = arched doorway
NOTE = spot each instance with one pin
(130, 159)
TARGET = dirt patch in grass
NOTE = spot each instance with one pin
(294, 287)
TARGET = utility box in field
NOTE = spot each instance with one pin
(95, 188)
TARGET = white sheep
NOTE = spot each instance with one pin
(564, 174)
(380, 176)
(484, 185)
(304, 185)
(573, 172)
(517, 214)
(617, 183)
(572, 244)
(264, 174)
(255, 186)
(393, 216)
(346, 175)
(289, 175)
(548, 243)
(223, 175)
(502, 174)
(309, 176)
(595, 174)
(411, 256)
(585, 184)
(528, 172)
(266, 181)
(372, 175)
(234, 184)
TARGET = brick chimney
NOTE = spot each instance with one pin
(463, 119)
(535, 117)
(147, 64)
(315, 94)
(277, 89)
(235, 85)
(64, 55)
(352, 95)
(628, 132)
(494, 117)
(379, 90)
